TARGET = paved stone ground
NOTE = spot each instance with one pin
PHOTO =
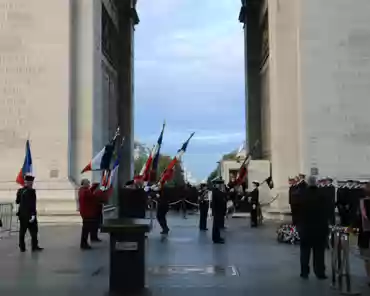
(251, 262)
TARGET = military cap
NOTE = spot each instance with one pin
(29, 178)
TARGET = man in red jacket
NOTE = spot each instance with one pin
(90, 199)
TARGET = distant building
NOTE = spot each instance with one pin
(230, 168)
(66, 85)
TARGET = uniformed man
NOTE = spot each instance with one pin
(329, 194)
(27, 214)
(203, 207)
(293, 199)
(162, 210)
(218, 210)
(301, 184)
(254, 201)
(344, 202)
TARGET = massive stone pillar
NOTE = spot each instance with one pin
(59, 87)
(34, 96)
(250, 15)
(317, 81)
(127, 19)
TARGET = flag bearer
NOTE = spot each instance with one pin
(162, 210)
(27, 214)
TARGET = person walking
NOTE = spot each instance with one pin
(27, 214)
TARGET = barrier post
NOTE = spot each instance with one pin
(6, 216)
(340, 261)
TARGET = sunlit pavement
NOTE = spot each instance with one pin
(187, 263)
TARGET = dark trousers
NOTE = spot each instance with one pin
(254, 216)
(24, 225)
(162, 220)
(216, 227)
(294, 210)
(88, 228)
(96, 227)
(318, 249)
(183, 208)
(203, 212)
(345, 217)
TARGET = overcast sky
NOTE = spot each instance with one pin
(189, 71)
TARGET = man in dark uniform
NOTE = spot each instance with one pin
(344, 202)
(27, 214)
(203, 207)
(293, 199)
(301, 184)
(329, 195)
(218, 210)
(162, 210)
(254, 201)
(313, 228)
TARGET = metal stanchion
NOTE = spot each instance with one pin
(340, 263)
(6, 216)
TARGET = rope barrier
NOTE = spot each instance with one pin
(190, 203)
(174, 203)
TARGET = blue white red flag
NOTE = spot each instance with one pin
(168, 172)
(152, 162)
(27, 168)
(102, 160)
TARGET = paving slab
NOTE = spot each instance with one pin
(186, 263)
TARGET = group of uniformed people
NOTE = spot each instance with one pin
(313, 202)
(344, 197)
(220, 198)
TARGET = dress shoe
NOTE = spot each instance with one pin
(37, 249)
(85, 248)
(322, 277)
(219, 241)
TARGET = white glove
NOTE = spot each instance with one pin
(33, 218)
(146, 188)
(155, 188)
(254, 207)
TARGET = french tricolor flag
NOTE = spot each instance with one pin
(103, 159)
(168, 172)
(152, 162)
(109, 177)
(27, 165)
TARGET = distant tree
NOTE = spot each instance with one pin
(230, 156)
(212, 175)
(138, 164)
